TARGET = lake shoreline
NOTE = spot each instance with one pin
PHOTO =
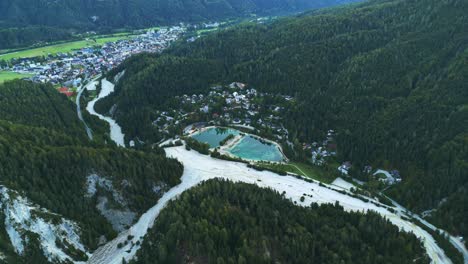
(240, 136)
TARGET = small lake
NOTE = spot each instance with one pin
(214, 135)
(253, 149)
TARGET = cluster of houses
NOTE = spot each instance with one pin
(321, 150)
(236, 104)
(328, 147)
(387, 177)
(70, 69)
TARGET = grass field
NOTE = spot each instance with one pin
(309, 171)
(7, 76)
(62, 47)
(204, 31)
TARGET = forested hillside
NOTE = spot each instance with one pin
(45, 155)
(223, 222)
(33, 35)
(50, 19)
(38, 105)
(389, 76)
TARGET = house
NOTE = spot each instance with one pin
(344, 168)
(387, 177)
(252, 92)
(251, 113)
(367, 169)
(235, 85)
(396, 175)
(205, 109)
(64, 90)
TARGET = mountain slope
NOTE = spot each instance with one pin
(225, 222)
(137, 13)
(389, 76)
(27, 22)
(47, 159)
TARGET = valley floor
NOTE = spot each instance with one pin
(199, 168)
(115, 130)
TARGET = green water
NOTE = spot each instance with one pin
(253, 149)
(213, 136)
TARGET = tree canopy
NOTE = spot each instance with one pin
(45, 155)
(389, 76)
(225, 222)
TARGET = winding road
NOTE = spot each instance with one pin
(457, 243)
(199, 168)
(89, 132)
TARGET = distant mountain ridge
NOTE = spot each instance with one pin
(27, 22)
(137, 13)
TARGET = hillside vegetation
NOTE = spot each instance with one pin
(25, 22)
(45, 154)
(388, 75)
(223, 222)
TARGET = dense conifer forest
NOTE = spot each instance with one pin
(26, 22)
(17, 37)
(389, 76)
(223, 222)
(45, 154)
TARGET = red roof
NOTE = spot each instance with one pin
(68, 94)
(64, 90)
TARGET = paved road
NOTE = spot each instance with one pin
(78, 107)
(453, 240)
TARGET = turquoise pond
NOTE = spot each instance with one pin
(214, 135)
(248, 147)
(253, 149)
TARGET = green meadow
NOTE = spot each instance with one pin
(7, 76)
(62, 47)
(323, 174)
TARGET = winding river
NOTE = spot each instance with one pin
(115, 130)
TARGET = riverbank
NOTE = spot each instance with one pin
(115, 130)
(199, 168)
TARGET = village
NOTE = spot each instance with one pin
(237, 105)
(68, 71)
(242, 107)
